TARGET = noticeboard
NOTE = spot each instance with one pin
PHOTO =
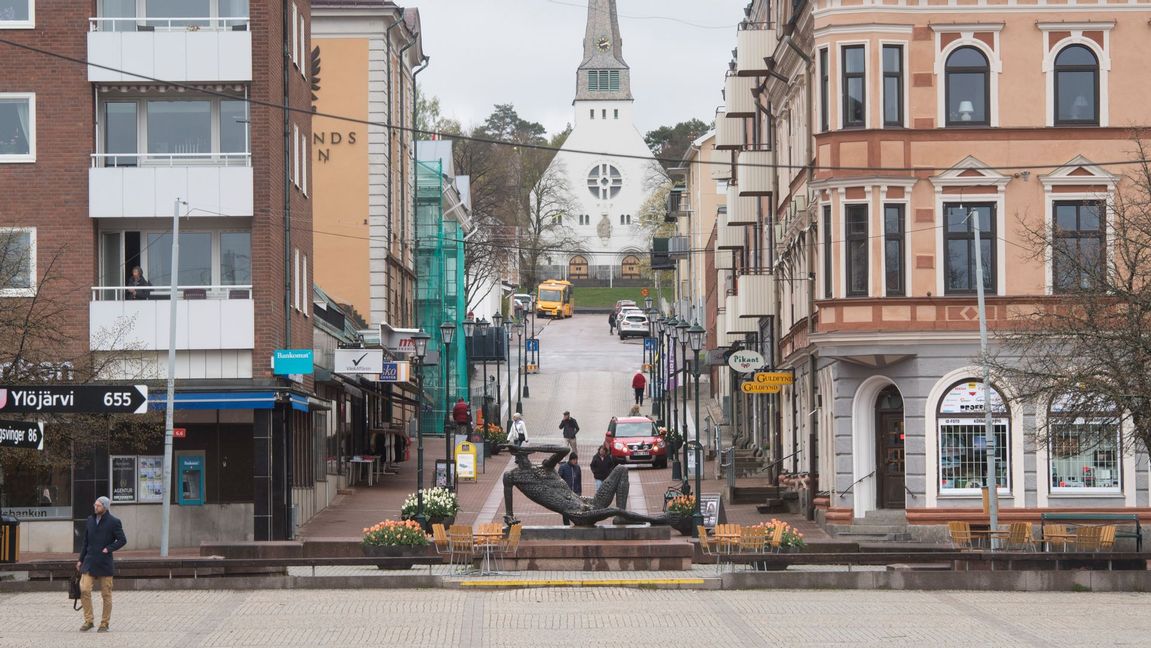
(123, 472)
(466, 461)
(711, 507)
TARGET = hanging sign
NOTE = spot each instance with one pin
(67, 399)
(396, 372)
(358, 361)
(746, 361)
(775, 378)
(760, 388)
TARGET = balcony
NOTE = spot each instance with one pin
(720, 167)
(738, 98)
(755, 295)
(207, 318)
(723, 260)
(741, 210)
(172, 49)
(146, 186)
(755, 170)
(728, 237)
(729, 132)
(754, 43)
(737, 325)
(678, 204)
(678, 247)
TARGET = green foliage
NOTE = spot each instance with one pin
(669, 143)
(393, 533)
(602, 297)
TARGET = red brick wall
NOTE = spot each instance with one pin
(52, 193)
(271, 286)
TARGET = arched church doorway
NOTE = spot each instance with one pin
(889, 444)
(629, 267)
(577, 268)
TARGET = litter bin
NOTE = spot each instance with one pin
(9, 539)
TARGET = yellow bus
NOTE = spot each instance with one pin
(554, 299)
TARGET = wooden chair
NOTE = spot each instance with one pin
(1055, 535)
(727, 537)
(776, 540)
(1019, 536)
(1107, 538)
(753, 540)
(706, 545)
(1087, 538)
(440, 538)
(961, 536)
(462, 545)
(511, 544)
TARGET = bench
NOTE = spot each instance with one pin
(1100, 517)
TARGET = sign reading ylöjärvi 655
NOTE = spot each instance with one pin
(68, 399)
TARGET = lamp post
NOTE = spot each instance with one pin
(498, 329)
(661, 370)
(507, 338)
(482, 329)
(420, 340)
(525, 392)
(673, 406)
(651, 364)
(448, 335)
(695, 339)
(518, 329)
(682, 328)
(989, 445)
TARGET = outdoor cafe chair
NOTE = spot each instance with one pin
(440, 538)
(706, 545)
(1087, 538)
(776, 540)
(1019, 536)
(462, 544)
(1107, 538)
(961, 536)
(753, 539)
(1056, 534)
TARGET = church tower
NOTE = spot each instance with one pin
(605, 160)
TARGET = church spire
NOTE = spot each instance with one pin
(603, 74)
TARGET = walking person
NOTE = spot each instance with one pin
(103, 535)
(611, 322)
(462, 416)
(601, 465)
(638, 384)
(572, 475)
(519, 432)
(570, 429)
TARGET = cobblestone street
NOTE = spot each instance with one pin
(583, 617)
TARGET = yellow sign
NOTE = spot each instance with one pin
(760, 388)
(774, 378)
(465, 461)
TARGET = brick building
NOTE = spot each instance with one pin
(178, 112)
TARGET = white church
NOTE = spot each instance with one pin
(608, 190)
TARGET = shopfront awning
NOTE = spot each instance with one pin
(216, 400)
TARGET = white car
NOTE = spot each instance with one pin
(633, 324)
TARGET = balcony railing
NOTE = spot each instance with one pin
(196, 23)
(142, 293)
(100, 160)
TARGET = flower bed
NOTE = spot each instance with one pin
(792, 538)
(395, 533)
(439, 502)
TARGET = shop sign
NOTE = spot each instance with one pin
(775, 378)
(292, 361)
(396, 372)
(33, 513)
(746, 361)
(358, 361)
(760, 388)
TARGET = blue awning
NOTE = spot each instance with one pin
(254, 400)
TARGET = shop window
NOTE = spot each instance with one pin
(963, 439)
(1084, 455)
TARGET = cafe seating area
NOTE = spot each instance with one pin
(1028, 536)
(485, 544)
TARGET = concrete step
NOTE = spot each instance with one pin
(754, 494)
(883, 518)
(622, 555)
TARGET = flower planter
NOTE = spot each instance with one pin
(414, 553)
(681, 523)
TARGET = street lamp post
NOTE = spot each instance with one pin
(672, 370)
(498, 329)
(507, 338)
(420, 340)
(482, 329)
(989, 444)
(526, 393)
(448, 335)
(683, 327)
(518, 329)
(695, 339)
(652, 360)
(661, 370)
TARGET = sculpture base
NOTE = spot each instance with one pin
(622, 555)
(598, 533)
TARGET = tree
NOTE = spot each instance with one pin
(1087, 350)
(546, 231)
(36, 347)
(430, 118)
(670, 143)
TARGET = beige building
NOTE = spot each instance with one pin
(892, 130)
(369, 54)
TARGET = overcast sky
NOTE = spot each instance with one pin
(525, 52)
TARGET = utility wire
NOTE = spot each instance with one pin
(547, 147)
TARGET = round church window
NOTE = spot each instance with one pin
(604, 181)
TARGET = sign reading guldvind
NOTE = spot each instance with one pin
(71, 399)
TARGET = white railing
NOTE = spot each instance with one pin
(170, 159)
(120, 293)
(194, 23)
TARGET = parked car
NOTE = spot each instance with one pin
(622, 303)
(635, 440)
(631, 324)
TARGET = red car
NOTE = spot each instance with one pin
(635, 439)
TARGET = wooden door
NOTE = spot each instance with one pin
(891, 468)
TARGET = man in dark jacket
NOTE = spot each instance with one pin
(601, 465)
(103, 535)
(573, 477)
(570, 429)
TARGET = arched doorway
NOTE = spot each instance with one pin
(890, 454)
(629, 268)
(577, 268)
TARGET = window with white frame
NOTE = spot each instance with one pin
(17, 127)
(297, 287)
(1076, 86)
(295, 155)
(1078, 243)
(963, 439)
(303, 47)
(207, 258)
(17, 14)
(17, 262)
(967, 86)
(1084, 449)
(209, 130)
(149, 15)
(857, 242)
(295, 35)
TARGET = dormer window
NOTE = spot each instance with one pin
(602, 80)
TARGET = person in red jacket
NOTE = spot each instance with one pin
(638, 383)
(462, 416)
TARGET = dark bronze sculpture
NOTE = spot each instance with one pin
(543, 485)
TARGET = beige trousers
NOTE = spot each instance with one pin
(86, 583)
(571, 444)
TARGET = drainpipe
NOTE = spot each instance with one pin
(285, 531)
(399, 20)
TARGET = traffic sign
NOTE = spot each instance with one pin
(644, 292)
(760, 388)
(70, 399)
(179, 433)
(532, 344)
(775, 378)
(22, 434)
(649, 344)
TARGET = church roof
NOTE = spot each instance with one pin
(603, 55)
